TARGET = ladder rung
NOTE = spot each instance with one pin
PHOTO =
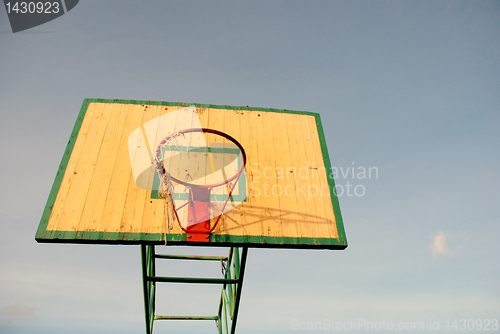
(191, 257)
(161, 317)
(192, 280)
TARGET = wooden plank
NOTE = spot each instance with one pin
(281, 138)
(133, 208)
(91, 219)
(216, 121)
(114, 206)
(70, 219)
(179, 168)
(271, 210)
(322, 177)
(251, 210)
(153, 219)
(69, 174)
(232, 128)
(315, 204)
(309, 221)
(205, 160)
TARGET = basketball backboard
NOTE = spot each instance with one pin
(191, 174)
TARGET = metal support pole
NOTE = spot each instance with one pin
(231, 292)
(241, 272)
(148, 269)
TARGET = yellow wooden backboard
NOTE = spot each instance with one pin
(105, 192)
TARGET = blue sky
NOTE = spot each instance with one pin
(410, 88)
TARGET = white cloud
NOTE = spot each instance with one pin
(16, 311)
(439, 244)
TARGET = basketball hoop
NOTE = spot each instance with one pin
(199, 195)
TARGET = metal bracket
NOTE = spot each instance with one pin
(231, 286)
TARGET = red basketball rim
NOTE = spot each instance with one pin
(219, 133)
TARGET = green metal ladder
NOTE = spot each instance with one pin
(231, 286)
